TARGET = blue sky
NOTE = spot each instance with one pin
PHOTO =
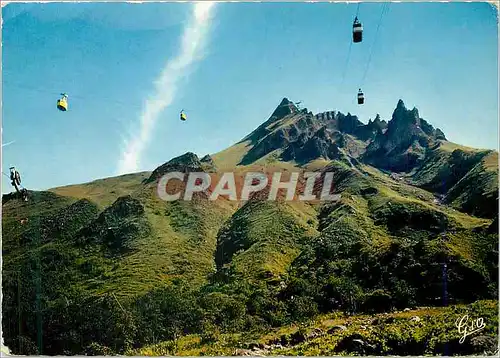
(439, 57)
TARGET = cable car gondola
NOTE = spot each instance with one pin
(183, 116)
(16, 183)
(361, 97)
(62, 104)
(357, 31)
(15, 176)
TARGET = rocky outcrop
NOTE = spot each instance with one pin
(207, 159)
(321, 145)
(118, 227)
(208, 163)
(372, 129)
(403, 145)
(188, 162)
(285, 108)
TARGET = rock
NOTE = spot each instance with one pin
(375, 321)
(403, 145)
(390, 320)
(253, 346)
(207, 159)
(208, 163)
(284, 340)
(315, 333)
(126, 206)
(254, 351)
(358, 342)
(242, 352)
(415, 319)
(274, 342)
(297, 338)
(285, 108)
(407, 309)
(369, 191)
(188, 162)
(484, 343)
(259, 352)
(337, 328)
(321, 145)
(354, 344)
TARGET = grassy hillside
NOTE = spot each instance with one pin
(419, 331)
(104, 191)
(467, 178)
(262, 239)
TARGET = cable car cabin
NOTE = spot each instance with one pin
(357, 31)
(15, 176)
(361, 97)
(62, 104)
(183, 116)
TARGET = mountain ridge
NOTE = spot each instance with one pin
(201, 266)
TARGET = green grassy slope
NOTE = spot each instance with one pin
(263, 238)
(420, 331)
(466, 177)
(104, 191)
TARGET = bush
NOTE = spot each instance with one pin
(377, 301)
(224, 311)
(302, 308)
(96, 349)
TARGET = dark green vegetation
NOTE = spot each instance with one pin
(107, 267)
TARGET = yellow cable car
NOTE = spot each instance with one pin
(183, 116)
(62, 104)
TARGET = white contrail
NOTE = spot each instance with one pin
(193, 39)
(9, 143)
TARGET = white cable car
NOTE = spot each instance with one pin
(361, 97)
(357, 31)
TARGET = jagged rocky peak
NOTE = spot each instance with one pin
(348, 123)
(207, 159)
(403, 119)
(406, 123)
(403, 116)
(326, 116)
(377, 124)
(285, 108)
(322, 145)
(188, 158)
(188, 162)
(380, 123)
(400, 105)
(372, 129)
(402, 146)
(440, 134)
(208, 163)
